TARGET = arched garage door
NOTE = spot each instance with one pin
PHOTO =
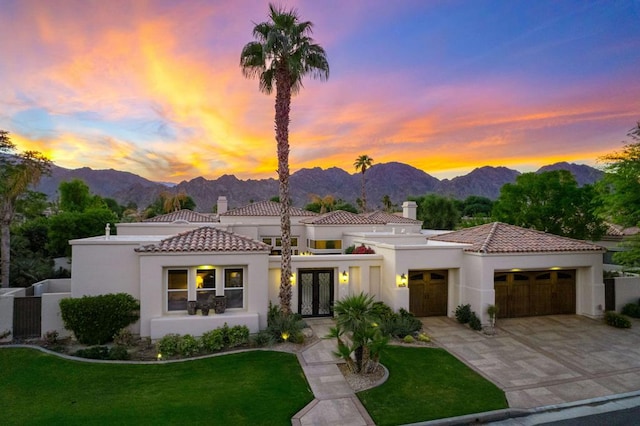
(521, 294)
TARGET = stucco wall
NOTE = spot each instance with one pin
(51, 318)
(6, 317)
(101, 267)
(153, 283)
(627, 291)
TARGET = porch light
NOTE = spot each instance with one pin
(293, 279)
(403, 280)
(344, 277)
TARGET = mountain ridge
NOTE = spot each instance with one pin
(397, 180)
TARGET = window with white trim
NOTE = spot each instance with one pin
(234, 287)
(177, 289)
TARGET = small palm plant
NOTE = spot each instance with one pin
(358, 321)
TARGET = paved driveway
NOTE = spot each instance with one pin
(547, 360)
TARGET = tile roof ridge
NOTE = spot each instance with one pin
(487, 241)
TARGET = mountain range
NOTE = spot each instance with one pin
(397, 180)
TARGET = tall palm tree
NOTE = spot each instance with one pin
(282, 54)
(17, 172)
(361, 164)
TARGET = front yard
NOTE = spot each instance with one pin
(257, 387)
(427, 384)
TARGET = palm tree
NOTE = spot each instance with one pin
(387, 203)
(361, 164)
(17, 172)
(281, 56)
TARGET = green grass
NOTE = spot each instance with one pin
(426, 384)
(250, 388)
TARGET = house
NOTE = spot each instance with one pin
(186, 256)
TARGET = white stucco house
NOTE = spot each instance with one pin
(186, 256)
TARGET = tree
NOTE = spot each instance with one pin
(168, 202)
(18, 171)
(387, 204)
(361, 164)
(321, 204)
(550, 202)
(282, 55)
(621, 184)
(67, 226)
(437, 212)
(75, 196)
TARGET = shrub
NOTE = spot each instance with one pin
(51, 337)
(188, 345)
(463, 313)
(212, 341)
(123, 337)
(95, 319)
(631, 310)
(362, 249)
(280, 324)
(474, 322)
(262, 338)
(422, 337)
(168, 345)
(615, 319)
(119, 353)
(350, 249)
(93, 352)
(238, 335)
(408, 339)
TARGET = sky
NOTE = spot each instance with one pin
(155, 88)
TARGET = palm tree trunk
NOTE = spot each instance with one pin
(5, 255)
(364, 193)
(283, 107)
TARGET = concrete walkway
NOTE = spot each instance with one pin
(335, 403)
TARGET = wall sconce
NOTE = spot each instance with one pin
(344, 277)
(403, 280)
(293, 279)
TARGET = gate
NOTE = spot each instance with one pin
(26, 317)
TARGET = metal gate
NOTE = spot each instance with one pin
(27, 317)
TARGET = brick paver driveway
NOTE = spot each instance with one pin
(547, 360)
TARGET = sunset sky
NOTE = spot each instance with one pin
(155, 88)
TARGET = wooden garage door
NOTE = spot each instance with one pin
(428, 292)
(521, 294)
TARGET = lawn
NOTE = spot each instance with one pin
(426, 384)
(249, 388)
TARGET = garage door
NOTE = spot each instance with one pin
(428, 292)
(521, 294)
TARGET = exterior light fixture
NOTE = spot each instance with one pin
(403, 280)
(285, 335)
(293, 279)
(159, 357)
(344, 277)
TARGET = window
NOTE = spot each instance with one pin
(276, 244)
(205, 284)
(177, 289)
(234, 287)
(325, 244)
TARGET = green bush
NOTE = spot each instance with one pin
(350, 249)
(95, 319)
(238, 335)
(93, 352)
(262, 339)
(212, 341)
(631, 310)
(408, 339)
(615, 319)
(474, 322)
(463, 313)
(280, 324)
(398, 324)
(169, 345)
(124, 337)
(119, 353)
(188, 346)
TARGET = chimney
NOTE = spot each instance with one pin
(409, 209)
(222, 204)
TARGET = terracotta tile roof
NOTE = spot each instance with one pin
(390, 218)
(620, 231)
(182, 215)
(499, 237)
(266, 208)
(341, 217)
(205, 239)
